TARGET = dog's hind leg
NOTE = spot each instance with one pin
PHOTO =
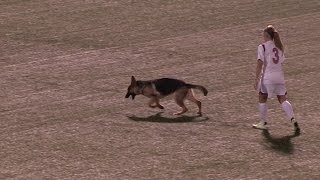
(180, 96)
(192, 98)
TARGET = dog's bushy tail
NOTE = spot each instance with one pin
(201, 88)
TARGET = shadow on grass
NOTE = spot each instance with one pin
(280, 144)
(160, 119)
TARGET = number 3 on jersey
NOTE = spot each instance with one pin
(276, 56)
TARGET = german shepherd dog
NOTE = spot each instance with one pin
(159, 88)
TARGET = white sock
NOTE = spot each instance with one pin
(263, 108)
(287, 108)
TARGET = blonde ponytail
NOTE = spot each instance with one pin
(277, 41)
(274, 35)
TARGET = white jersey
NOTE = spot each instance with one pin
(272, 58)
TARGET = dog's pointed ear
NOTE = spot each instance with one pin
(133, 80)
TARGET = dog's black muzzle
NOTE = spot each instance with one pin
(130, 94)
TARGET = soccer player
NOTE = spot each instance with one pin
(270, 77)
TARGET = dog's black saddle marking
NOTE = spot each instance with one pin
(166, 86)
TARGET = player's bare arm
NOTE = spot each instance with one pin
(258, 73)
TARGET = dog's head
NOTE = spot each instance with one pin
(133, 88)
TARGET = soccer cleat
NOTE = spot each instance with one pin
(296, 127)
(260, 125)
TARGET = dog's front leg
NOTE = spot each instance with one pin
(154, 102)
(157, 100)
(151, 102)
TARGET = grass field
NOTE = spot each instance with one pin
(65, 67)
